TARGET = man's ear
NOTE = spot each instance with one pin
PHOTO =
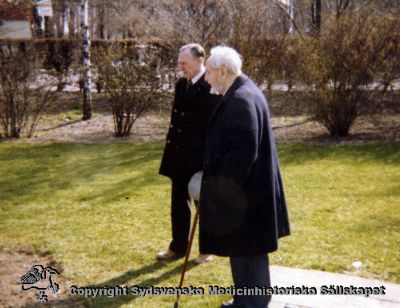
(223, 71)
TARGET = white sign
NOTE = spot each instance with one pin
(44, 8)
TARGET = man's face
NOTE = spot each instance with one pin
(189, 65)
(213, 77)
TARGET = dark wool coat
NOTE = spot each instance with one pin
(242, 203)
(184, 148)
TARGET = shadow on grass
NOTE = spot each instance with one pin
(117, 301)
(39, 171)
(388, 153)
(60, 125)
(29, 169)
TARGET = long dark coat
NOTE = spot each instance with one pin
(242, 203)
(184, 148)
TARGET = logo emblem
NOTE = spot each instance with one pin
(41, 279)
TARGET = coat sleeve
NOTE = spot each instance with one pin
(241, 145)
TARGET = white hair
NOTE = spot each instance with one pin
(224, 56)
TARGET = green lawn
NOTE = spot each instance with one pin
(102, 211)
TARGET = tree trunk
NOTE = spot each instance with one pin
(37, 23)
(49, 27)
(292, 17)
(65, 30)
(14, 133)
(87, 104)
(316, 9)
(101, 23)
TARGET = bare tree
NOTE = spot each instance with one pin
(87, 104)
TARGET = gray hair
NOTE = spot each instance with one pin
(224, 56)
(196, 50)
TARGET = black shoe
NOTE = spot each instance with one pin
(229, 304)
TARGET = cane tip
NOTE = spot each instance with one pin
(176, 305)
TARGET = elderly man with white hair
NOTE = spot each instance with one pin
(242, 203)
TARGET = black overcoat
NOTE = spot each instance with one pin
(242, 203)
(184, 148)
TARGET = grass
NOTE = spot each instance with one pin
(102, 211)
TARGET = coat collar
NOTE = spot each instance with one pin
(199, 75)
(199, 85)
(240, 80)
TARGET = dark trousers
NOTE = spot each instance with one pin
(250, 272)
(180, 216)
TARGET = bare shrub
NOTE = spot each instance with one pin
(341, 65)
(22, 100)
(391, 64)
(133, 81)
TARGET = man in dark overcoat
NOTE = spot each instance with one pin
(242, 203)
(184, 148)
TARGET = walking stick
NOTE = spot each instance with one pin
(194, 187)
(192, 231)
